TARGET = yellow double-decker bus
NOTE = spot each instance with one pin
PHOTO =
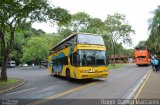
(79, 56)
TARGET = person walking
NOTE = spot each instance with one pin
(158, 58)
(155, 63)
(151, 61)
(33, 65)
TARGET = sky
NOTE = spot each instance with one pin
(137, 13)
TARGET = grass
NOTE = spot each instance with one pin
(10, 81)
(116, 66)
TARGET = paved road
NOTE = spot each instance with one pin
(41, 85)
(120, 84)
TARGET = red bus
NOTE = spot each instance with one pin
(141, 55)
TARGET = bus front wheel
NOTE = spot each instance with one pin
(68, 74)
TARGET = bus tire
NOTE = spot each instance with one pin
(68, 76)
(53, 72)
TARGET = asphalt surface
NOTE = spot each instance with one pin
(119, 85)
(40, 85)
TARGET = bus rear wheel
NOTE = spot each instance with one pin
(68, 77)
(53, 74)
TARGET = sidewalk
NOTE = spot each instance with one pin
(151, 89)
(8, 87)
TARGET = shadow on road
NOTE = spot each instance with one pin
(143, 65)
(78, 81)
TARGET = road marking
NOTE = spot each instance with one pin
(20, 91)
(130, 96)
(139, 91)
(61, 94)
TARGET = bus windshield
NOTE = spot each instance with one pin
(90, 39)
(140, 48)
(92, 58)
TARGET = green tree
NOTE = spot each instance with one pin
(119, 30)
(141, 44)
(95, 25)
(53, 39)
(154, 29)
(129, 52)
(79, 22)
(119, 49)
(14, 12)
(82, 22)
(37, 32)
(36, 49)
(154, 23)
(23, 33)
(64, 32)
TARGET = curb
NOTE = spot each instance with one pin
(134, 92)
(142, 85)
(6, 90)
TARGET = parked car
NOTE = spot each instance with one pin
(11, 64)
(25, 65)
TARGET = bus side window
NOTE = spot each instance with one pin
(54, 62)
(63, 61)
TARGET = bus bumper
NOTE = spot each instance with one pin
(142, 63)
(92, 75)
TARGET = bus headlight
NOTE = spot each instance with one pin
(105, 70)
(84, 71)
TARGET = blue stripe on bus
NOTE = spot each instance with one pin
(61, 55)
(60, 66)
(54, 57)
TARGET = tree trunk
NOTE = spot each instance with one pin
(4, 69)
(114, 52)
(5, 51)
(4, 57)
(114, 58)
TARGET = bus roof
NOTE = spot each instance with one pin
(70, 36)
(141, 47)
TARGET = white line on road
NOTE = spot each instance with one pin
(20, 91)
(130, 96)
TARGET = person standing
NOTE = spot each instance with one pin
(155, 63)
(151, 61)
(33, 65)
(158, 58)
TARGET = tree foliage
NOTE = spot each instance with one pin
(36, 49)
(79, 22)
(15, 12)
(23, 33)
(119, 30)
(141, 44)
(154, 29)
(64, 32)
(96, 26)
